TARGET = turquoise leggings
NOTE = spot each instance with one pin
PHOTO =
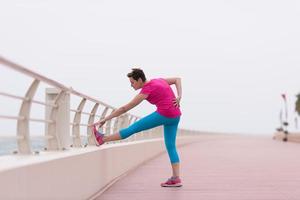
(154, 120)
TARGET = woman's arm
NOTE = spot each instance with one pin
(134, 102)
(177, 82)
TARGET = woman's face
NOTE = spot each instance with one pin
(135, 84)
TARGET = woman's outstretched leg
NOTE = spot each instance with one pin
(147, 122)
(113, 137)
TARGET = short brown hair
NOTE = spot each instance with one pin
(137, 73)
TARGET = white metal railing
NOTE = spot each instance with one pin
(53, 125)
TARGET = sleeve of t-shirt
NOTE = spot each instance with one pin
(147, 89)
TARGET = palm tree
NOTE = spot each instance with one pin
(297, 107)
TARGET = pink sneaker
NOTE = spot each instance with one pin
(172, 182)
(99, 136)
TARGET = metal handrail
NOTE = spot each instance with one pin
(12, 117)
(28, 72)
(13, 96)
(27, 99)
(23, 118)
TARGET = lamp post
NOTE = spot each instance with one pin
(297, 110)
(285, 123)
(280, 121)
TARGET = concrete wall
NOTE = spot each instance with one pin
(74, 174)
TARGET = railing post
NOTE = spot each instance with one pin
(103, 116)
(125, 121)
(121, 123)
(76, 124)
(129, 122)
(116, 124)
(23, 124)
(135, 136)
(108, 126)
(58, 133)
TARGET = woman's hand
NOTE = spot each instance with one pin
(176, 102)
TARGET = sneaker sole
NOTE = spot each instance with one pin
(175, 185)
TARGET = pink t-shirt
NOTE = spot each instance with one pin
(161, 94)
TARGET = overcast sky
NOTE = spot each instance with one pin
(235, 57)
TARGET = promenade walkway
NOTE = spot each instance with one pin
(219, 167)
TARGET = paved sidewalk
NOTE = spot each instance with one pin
(225, 168)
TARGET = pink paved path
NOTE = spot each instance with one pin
(233, 168)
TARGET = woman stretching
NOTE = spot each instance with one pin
(159, 93)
